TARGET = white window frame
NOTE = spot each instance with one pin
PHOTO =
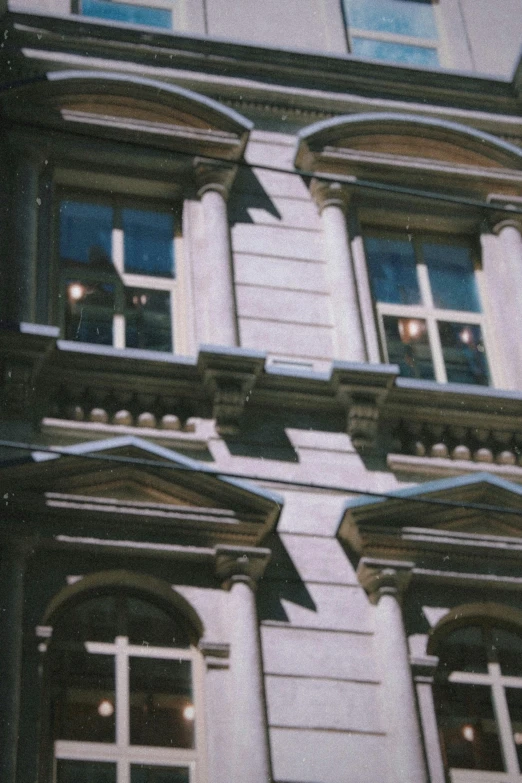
(174, 285)
(404, 40)
(122, 753)
(426, 310)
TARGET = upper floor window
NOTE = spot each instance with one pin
(397, 31)
(117, 267)
(157, 14)
(478, 699)
(427, 299)
(123, 689)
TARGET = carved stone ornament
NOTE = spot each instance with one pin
(384, 577)
(246, 563)
(363, 422)
(213, 175)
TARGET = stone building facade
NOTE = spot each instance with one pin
(261, 391)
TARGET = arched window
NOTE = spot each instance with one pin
(123, 693)
(478, 700)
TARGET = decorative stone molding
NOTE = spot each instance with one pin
(384, 577)
(23, 351)
(327, 194)
(213, 175)
(229, 378)
(362, 393)
(216, 654)
(235, 563)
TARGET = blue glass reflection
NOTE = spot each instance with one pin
(85, 233)
(401, 54)
(464, 354)
(392, 268)
(126, 12)
(452, 277)
(148, 242)
(402, 17)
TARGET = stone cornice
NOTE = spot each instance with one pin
(342, 72)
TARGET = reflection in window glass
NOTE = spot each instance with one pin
(403, 17)
(147, 319)
(464, 651)
(85, 772)
(142, 773)
(468, 729)
(408, 346)
(392, 270)
(149, 242)
(83, 696)
(127, 12)
(393, 52)
(89, 312)
(86, 233)
(452, 277)
(508, 651)
(161, 703)
(464, 353)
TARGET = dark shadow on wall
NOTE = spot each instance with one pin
(281, 581)
(248, 193)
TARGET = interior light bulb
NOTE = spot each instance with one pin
(466, 336)
(517, 736)
(189, 713)
(105, 708)
(468, 732)
(76, 291)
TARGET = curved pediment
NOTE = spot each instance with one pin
(367, 144)
(128, 107)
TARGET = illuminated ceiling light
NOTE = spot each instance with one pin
(189, 713)
(517, 736)
(466, 336)
(105, 708)
(410, 329)
(468, 732)
(76, 291)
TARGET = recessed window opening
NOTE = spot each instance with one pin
(428, 306)
(117, 269)
(124, 700)
(478, 699)
(398, 31)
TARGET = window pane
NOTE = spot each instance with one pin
(452, 277)
(469, 734)
(126, 12)
(161, 703)
(85, 772)
(508, 650)
(148, 242)
(149, 624)
(83, 697)
(141, 773)
(85, 234)
(514, 700)
(402, 17)
(408, 346)
(148, 319)
(89, 312)
(464, 651)
(401, 54)
(393, 274)
(92, 620)
(464, 354)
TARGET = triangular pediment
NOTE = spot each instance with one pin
(131, 478)
(480, 506)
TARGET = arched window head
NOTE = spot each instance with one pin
(123, 693)
(478, 699)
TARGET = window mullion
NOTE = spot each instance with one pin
(122, 709)
(501, 709)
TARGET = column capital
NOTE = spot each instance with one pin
(241, 564)
(213, 175)
(502, 219)
(384, 577)
(326, 194)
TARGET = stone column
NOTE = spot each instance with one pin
(213, 277)
(332, 200)
(385, 582)
(506, 280)
(12, 572)
(241, 568)
(25, 237)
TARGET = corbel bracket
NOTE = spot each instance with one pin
(362, 389)
(229, 377)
